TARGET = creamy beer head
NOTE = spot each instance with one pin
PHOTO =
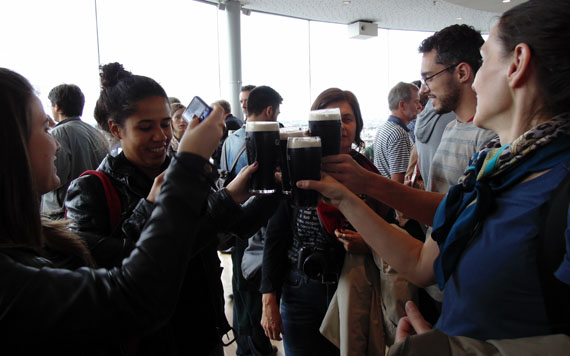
(303, 142)
(286, 132)
(262, 126)
(325, 115)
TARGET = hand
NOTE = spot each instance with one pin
(238, 187)
(202, 138)
(352, 241)
(332, 191)
(345, 169)
(271, 317)
(156, 185)
(414, 321)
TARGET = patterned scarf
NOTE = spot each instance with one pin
(493, 170)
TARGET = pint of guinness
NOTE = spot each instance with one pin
(304, 159)
(284, 134)
(262, 145)
(326, 124)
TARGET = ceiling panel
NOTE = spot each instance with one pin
(423, 15)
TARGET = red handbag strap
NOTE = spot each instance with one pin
(113, 201)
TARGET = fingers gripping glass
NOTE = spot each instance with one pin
(427, 79)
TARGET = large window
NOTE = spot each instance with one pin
(50, 43)
(182, 45)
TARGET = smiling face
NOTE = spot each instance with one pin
(348, 124)
(42, 148)
(179, 125)
(491, 86)
(443, 88)
(146, 134)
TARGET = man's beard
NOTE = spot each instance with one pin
(450, 100)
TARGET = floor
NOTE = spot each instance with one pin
(227, 282)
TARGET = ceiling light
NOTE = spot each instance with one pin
(506, 1)
(346, 2)
(459, 18)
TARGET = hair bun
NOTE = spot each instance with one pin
(112, 73)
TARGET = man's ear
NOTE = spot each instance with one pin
(57, 109)
(114, 128)
(464, 72)
(268, 112)
(519, 66)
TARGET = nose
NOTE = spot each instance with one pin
(161, 133)
(424, 89)
(57, 145)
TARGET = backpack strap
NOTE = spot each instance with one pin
(234, 163)
(551, 249)
(113, 201)
(226, 176)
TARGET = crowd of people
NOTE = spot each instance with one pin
(109, 236)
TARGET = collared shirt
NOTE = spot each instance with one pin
(392, 147)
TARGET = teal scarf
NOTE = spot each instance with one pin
(493, 170)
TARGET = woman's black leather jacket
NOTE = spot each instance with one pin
(86, 310)
(202, 292)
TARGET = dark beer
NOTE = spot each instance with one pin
(284, 134)
(326, 124)
(262, 145)
(304, 158)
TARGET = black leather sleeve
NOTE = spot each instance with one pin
(47, 305)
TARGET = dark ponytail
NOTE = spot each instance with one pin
(120, 92)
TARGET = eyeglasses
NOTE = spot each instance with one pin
(427, 79)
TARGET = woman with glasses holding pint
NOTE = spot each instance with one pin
(305, 248)
(501, 242)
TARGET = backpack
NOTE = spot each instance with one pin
(226, 240)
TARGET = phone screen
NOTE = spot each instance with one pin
(198, 108)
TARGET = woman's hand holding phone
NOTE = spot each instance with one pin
(203, 138)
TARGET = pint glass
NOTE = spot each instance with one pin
(326, 124)
(304, 159)
(262, 145)
(284, 134)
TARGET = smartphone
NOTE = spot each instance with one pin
(198, 108)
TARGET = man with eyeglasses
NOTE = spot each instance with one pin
(451, 58)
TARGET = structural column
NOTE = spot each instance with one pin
(233, 12)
